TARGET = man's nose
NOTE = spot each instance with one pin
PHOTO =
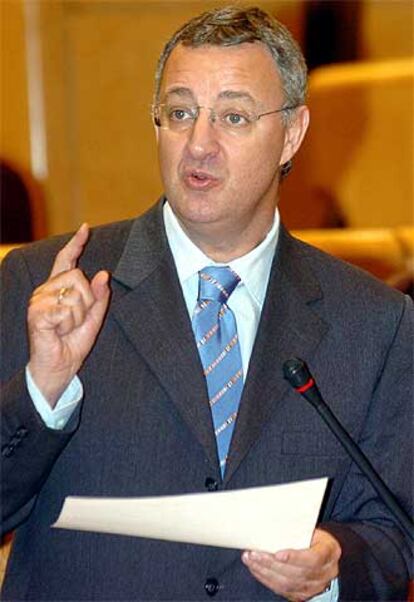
(203, 139)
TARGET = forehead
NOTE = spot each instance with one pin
(208, 70)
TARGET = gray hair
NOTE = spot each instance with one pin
(233, 25)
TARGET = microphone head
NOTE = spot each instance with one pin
(296, 372)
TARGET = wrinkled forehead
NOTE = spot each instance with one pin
(207, 73)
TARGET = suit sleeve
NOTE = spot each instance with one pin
(375, 553)
(28, 447)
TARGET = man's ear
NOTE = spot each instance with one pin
(295, 133)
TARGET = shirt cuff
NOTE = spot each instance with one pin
(331, 595)
(57, 417)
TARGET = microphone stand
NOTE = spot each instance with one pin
(298, 375)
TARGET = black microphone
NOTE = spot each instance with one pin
(298, 375)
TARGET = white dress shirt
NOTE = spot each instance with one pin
(246, 301)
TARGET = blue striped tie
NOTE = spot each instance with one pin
(217, 341)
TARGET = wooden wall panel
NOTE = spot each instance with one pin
(387, 29)
(14, 118)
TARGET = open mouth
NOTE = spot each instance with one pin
(199, 180)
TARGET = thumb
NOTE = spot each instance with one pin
(100, 285)
(102, 293)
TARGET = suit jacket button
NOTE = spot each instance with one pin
(7, 450)
(211, 484)
(211, 586)
(21, 432)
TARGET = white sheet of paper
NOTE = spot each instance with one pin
(268, 518)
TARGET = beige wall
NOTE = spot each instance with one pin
(14, 120)
(387, 29)
(358, 156)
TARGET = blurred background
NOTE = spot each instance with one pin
(77, 141)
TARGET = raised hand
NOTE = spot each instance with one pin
(64, 318)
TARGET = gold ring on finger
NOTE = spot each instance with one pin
(63, 292)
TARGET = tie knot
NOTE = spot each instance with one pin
(216, 283)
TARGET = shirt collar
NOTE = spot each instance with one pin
(253, 268)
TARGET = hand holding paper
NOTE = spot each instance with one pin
(298, 574)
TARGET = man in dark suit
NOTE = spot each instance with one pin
(110, 394)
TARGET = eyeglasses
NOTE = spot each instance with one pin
(182, 117)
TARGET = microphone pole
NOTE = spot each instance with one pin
(298, 375)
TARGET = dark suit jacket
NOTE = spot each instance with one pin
(144, 427)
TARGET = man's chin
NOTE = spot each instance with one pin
(196, 207)
(199, 218)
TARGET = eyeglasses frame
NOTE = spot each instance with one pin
(213, 114)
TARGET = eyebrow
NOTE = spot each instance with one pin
(180, 91)
(237, 95)
(183, 92)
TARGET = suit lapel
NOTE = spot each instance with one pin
(150, 308)
(288, 327)
(153, 316)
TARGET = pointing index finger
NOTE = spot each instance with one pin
(67, 257)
